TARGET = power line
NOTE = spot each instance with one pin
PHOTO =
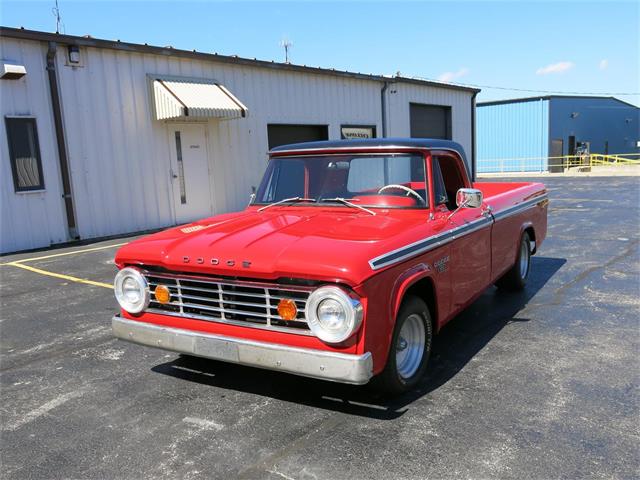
(513, 89)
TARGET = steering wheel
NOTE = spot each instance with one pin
(402, 187)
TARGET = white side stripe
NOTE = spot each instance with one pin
(423, 246)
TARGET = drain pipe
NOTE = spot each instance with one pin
(60, 140)
(383, 105)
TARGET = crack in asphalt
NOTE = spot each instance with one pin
(268, 463)
(60, 351)
(560, 291)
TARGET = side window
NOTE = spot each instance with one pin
(439, 189)
(446, 169)
(24, 154)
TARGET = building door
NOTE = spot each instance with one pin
(572, 145)
(190, 172)
(430, 121)
(555, 163)
(284, 134)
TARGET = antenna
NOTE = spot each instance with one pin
(56, 13)
(286, 44)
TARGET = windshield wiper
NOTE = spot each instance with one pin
(287, 200)
(348, 203)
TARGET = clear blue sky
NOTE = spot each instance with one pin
(564, 46)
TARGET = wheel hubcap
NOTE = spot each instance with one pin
(410, 346)
(524, 259)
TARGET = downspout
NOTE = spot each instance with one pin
(383, 106)
(60, 140)
(473, 137)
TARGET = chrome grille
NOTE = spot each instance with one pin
(252, 304)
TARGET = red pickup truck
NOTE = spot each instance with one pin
(348, 260)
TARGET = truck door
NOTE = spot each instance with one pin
(470, 257)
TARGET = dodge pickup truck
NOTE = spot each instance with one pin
(348, 260)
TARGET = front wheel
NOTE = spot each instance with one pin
(410, 347)
(516, 278)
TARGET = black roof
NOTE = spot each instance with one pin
(88, 41)
(550, 97)
(373, 143)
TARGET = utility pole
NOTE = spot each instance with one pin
(286, 44)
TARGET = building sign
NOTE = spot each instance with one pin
(353, 133)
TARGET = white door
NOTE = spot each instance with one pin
(190, 172)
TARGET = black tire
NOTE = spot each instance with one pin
(390, 380)
(516, 278)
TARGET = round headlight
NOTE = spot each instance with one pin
(132, 290)
(332, 315)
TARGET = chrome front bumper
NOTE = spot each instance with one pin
(337, 367)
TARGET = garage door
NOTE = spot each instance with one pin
(284, 134)
(430, 121)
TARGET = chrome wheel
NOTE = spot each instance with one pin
(524, 258)
(410, 346)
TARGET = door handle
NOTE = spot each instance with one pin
(487, 211)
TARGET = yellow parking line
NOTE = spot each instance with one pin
(59, 275)
(65, 253)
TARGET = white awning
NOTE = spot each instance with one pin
(186, 98)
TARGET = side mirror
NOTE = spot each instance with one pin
(469, 198)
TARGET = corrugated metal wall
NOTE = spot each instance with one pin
(128, 168)
(400, 95)
(120, 157)
(508, 133)
(29, 219)
(610, 126)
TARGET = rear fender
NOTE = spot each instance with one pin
(526, 226)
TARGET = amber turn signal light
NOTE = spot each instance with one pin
(287, 309)
(162, 294)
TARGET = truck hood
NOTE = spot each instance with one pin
(330, 245)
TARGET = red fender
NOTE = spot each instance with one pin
(403, 283)
(523, 227)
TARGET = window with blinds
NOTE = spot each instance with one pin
(24, 153)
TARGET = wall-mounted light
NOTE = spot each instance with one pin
(574, 114)
(74, 54)
(11, 71)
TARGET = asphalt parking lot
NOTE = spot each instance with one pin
(542, 384)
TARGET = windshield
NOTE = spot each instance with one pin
(385, 181)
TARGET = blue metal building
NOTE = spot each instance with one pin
(519, 134)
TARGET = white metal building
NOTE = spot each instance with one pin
(104, 137)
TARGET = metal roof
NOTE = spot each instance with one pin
(549, 97)
(176, 98)
(88, 41)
